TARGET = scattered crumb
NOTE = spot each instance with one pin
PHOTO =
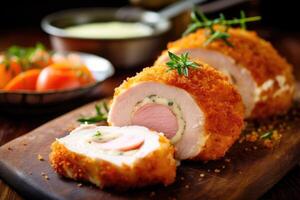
(40, 157)
(227, 160)
(46, 177)
(152, 194)
(223, 166)
(268, 143)
(259, 130)
(71, 127)
(208, 170)
(187, 186)
(202, 175)
(182, 178)
(268, 133)
(217, 171)
(254, 147)
(79, 185)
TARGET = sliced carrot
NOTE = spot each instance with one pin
(24, 81)
(8, 72)
(57, 79)
(83, 74)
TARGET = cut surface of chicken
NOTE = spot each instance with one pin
(120, 157)
(207, 108)
(190, 117)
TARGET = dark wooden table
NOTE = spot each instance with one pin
(13, 126)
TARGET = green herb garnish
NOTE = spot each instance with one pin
(219, 32)
(170, 103)
(101, 114)
(267, 135)
(180, 63)
(22, 55)
(98, 134)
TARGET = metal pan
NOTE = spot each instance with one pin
(123, 53)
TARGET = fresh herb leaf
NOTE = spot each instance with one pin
(180, 63)
(98, 134)
(101, 114)
(92, 120)
(266, 135)
(22, 55)
(219, 35)
(217, 28)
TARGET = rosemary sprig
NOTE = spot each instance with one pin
(217, 28)
(101, 114)
(180, 63)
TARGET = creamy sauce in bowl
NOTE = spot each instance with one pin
(109, 30)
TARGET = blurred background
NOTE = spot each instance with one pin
(20, 20)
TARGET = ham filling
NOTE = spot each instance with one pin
(123, 143)
(117, 145)
(159, 114)
(156, 117)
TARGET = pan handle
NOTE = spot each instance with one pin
(179, 7)
(184, 5)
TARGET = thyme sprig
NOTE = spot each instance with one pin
(101, 114)
(217, 29)
(266, 135)
(180, 63)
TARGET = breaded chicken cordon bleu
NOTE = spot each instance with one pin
(263, 78)
(121, 157)
(196, 108)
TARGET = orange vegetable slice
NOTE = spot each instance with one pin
(8, 72)
(24, 81)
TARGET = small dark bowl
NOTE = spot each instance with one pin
(123, 53)
(52, 101)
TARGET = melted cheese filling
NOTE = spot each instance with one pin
(82, 141)
(269, 84)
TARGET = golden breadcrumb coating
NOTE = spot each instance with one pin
(217, 98)
(157, 167)
(258, 57)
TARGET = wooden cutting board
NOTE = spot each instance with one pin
(245, 172)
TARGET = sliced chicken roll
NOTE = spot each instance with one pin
(263, 78)
(122, 157)
(201, 114)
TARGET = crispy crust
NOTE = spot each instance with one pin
(217, 98)
(255, 54)
(157, 167)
